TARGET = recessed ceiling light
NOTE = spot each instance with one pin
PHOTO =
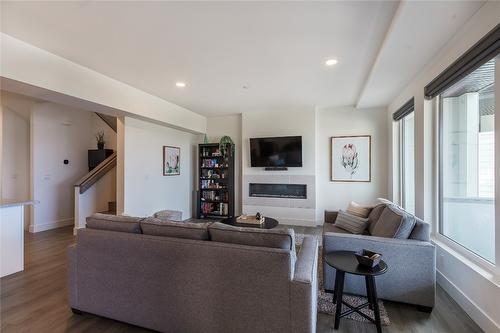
(331, 62)
(180, 84)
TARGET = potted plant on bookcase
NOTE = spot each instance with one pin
(100, 139)
(226, 146)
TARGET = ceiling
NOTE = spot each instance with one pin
(246, 56)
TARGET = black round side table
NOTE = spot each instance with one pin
(346, 262)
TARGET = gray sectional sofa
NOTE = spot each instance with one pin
(193, 277)
(411, 277)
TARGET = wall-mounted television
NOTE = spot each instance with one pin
(277, 152)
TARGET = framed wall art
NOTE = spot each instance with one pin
(171, 161)
(350, 158)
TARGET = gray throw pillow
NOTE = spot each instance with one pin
(114, 223)
(274, 238)
(188, 230)
(351, 223)
(394, 222)
(374, 216)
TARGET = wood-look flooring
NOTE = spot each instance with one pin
(35, 300)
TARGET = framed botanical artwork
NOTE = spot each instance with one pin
(351, 158)
(171, 161)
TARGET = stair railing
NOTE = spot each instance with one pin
(97, 173)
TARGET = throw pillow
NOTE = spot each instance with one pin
(351, 223)
(374, 216)
(358, 210)
(394, 223)
(188, 230)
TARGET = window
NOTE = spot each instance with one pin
(467, 162)
(408, 163)
(406, 123)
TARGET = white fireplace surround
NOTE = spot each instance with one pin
(293, 211)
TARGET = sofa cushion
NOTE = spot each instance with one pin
(394, 223)
(353, 224)
(374, 216)
(358, 210)
(114, 223)
(273, 238)
(156, 227)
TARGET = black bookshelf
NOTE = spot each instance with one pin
(215, 182)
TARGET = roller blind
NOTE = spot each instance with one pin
(485, 49)
(405, 110)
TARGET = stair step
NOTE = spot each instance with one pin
(112, 206)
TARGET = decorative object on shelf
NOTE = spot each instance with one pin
(100, 139)
(226, 146)
(171, 161)
(205, 138)
(351, 158)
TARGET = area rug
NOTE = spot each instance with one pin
(325, 304)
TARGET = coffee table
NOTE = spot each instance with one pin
(269, 223)
(346, 262)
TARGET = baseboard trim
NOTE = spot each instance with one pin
(50, 225)
(482, 319)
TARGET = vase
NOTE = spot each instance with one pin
(100, 146)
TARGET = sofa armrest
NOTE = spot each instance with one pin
(307, 258)
(304, 287)
(331, 216)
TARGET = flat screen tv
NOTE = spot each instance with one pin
(283, 151)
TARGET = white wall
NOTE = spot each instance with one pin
(58, 133)
(316, 128)
(272, 123)
(268, 124)
(15, 167)
(229, 125)
(145, 189)
(475, 288)
(15, 132)
(350, 121)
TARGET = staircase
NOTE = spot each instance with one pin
(109, 120)
(111, 208)
(95, 192)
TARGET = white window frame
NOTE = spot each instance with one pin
(457, 249)
(402, 159)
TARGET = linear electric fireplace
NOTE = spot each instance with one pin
(290, 191)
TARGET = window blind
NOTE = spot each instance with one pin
(485, 49)
(405, 110)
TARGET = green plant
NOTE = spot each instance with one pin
(100, 137)
(226, 146)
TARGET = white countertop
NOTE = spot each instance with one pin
(16, 202)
